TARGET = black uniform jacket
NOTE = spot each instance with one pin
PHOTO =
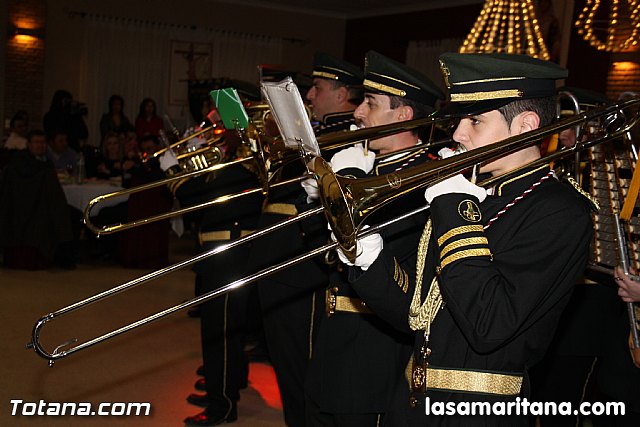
(296, 239)
(235, 217)
(500, 310)
(358, 356)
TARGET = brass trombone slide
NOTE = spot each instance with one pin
(351, 201)
(57, 353)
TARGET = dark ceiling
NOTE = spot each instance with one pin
(350, 9)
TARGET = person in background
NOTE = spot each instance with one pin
(224, 320)
(336, 92)
(35, 223)
(148, 122)
(18, 129)
(113, 163)
(146, 246)
(292, 300)
(63, 157)
(66, 115)
(115, 120)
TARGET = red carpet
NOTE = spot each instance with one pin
(262, 378)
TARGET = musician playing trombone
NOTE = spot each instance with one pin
(494, 268)
(291, 301)
(345, 385)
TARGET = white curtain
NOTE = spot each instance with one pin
(423, 55)
(132, 58)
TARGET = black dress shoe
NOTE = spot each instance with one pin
(201, 400)
(200, 385)
(200, 371)
(210, 417)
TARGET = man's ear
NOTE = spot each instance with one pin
(525, 122)
(342, 94)
(404, 112)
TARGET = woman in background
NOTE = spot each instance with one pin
(148, 122)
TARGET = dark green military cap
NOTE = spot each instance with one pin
(327, 67)
(481, 82)
(385, 76)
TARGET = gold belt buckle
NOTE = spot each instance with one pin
(331, 295)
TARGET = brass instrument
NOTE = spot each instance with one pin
(266, 155)
(196, 156)
(346, 203)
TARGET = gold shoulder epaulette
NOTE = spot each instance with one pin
(595, 206)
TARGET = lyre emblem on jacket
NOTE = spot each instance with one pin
(469, 210)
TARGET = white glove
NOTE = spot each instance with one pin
(445, 153)
(353, 157)
(455, 184)
(195, 143)
(167, 160)
(367, 250)
(310, 185)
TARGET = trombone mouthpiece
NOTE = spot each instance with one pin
(459, 150)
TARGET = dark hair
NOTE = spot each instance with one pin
(419, 110)
(58, 96)
(34, 133)
(114, 98)
(19, 115)
(55, 132)
(355, 93)
(143, 103)
(545, 108)
(111, 134)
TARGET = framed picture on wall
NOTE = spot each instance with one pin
(189, 61)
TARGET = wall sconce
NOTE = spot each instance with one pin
(26, 32)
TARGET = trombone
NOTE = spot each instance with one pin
(346, 203)
(267, 156)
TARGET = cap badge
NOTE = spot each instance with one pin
(445, 73)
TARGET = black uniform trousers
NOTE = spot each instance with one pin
(224, 318)
(223, 322)
(292, 301)
(292, 306)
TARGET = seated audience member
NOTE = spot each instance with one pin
(147, 246)
(60, 153)
(67, 115)
(18, 128)
(112, 162)
(131, 154)
(148, 122)
(35, 225)
(115, 120)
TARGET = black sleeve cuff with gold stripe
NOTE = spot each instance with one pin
(457, 226)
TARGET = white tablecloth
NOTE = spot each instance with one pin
(79, 196)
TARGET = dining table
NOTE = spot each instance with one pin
(80, 194)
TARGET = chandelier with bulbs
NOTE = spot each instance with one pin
(506, 26)
(615, 31)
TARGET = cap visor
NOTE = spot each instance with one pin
(461, 109)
